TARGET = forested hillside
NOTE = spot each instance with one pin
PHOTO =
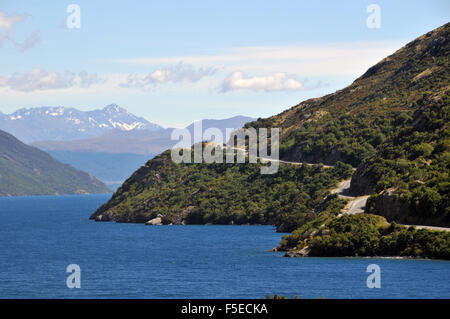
(26, 170)
(391, 123)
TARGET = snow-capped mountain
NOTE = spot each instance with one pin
(142, 142)
(61, 123)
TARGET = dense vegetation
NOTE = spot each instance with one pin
(222, 193)
(367, 235)
(391, 123)
(415, 166)
(350, 136)
(25, 170)
(348, 125)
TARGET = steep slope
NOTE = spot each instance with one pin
(64, 124)
(349, 124)
(221, 194)
(409, 174)
(391, 123)
(25, 170)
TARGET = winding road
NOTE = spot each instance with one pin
(356, 205)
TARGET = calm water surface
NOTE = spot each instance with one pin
(40, 236)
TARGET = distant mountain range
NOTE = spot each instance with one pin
(111, 169)
(26, 170)
(64, 124)
(142, 141)
(116, 153)
(110, 143)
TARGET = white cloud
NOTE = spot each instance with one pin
(40, 80)
(266, 69)
(172, 74)
(338, 59)
(268, 83)
(7, 24)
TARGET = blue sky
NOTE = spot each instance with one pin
(174, 62)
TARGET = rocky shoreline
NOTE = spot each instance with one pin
(305, 252)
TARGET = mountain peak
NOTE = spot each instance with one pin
(114, 108)
(64, 124)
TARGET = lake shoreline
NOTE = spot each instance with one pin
(46, 234)
(288, 253)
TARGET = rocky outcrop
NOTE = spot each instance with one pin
(392, 206)
(304, 252)
(111, 216)
(155, 221)
(102, 218)
(179, 219)
(389, 205)
(363, 182)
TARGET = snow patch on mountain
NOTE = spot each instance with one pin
(63, 123)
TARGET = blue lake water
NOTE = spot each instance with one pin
(41, 236)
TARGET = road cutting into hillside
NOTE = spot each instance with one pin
(355, 205)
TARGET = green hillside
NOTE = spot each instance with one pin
(391, 123)
(350, 124)
(221, 193)
(364, 235)
(25, 170)
(409, 174)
